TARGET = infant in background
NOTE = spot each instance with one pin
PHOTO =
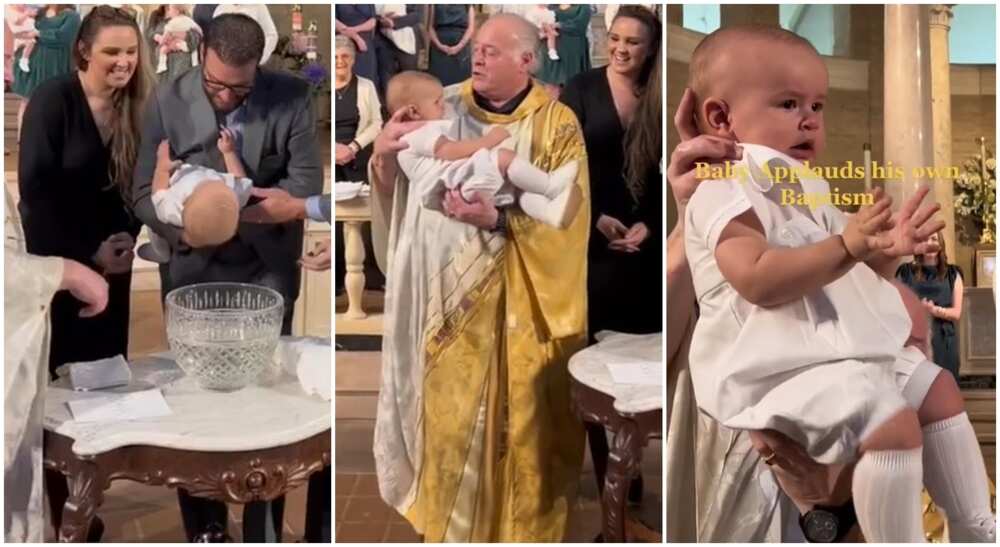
(174, 37)
(21, 18)
(545, 19)
(475, 165)
(203, 202)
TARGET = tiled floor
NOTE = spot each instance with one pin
(361, 516)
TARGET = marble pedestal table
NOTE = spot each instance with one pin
(254, 444)
(633, 414)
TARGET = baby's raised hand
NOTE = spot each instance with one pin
(227, 141)
(908, 232)
(865, 230)
(497, 135)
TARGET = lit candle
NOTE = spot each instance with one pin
(868, 167)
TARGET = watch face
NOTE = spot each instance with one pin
(820, 526)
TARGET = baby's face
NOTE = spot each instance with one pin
(779, 98)
(173, 10)
(431, 106)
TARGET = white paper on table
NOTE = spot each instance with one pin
(120, 407)
(646, 373)
(90, 375)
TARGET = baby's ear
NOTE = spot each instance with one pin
(715, 113)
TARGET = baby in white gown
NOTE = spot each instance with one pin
(797, 330)
(481, 165)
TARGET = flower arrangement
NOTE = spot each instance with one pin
(975, 197)
(317, 75)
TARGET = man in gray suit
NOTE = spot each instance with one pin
(271, 116)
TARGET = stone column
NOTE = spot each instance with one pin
(908, 127)
(746, 14)
(940, 24)
(675, 14)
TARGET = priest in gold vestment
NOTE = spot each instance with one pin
(475, 439)
(29, 283)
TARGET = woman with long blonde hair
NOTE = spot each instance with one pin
(80, 142)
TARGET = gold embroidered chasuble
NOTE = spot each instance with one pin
(475, 438)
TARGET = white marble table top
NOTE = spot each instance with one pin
(273, 412)
(589, 367)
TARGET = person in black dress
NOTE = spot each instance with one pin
(939, 286)
(78, 151)
(619, 110)
(358, 22)
(450, 33)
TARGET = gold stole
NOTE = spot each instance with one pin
(502, 450)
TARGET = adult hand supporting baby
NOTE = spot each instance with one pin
(480, 212)
(386, 145)
(806, 482)
(276, 206)
(681, 174)
(694, 148)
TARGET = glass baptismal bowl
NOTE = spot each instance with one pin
(223, 334)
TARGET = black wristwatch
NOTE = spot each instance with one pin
(824, 524)
(501, 226)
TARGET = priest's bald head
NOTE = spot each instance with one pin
(504, 56)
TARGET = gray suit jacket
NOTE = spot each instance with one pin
(280, 148)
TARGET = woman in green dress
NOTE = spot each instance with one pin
(55, 29)
(940, 288)
(572, 45)
(451, 30)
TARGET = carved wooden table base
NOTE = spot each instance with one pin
(632, 433)
(233, 477)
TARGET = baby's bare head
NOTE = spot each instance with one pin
(727, 60)
(211, 214)
(419, 90)
(762, 85)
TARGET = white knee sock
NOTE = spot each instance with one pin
(956, 478)
(886, 487)
(529, 178)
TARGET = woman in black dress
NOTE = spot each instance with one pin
(940, 288)
(81, 134)
(451, 30)
(358, 22)
(79, 146)
(619, 109)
